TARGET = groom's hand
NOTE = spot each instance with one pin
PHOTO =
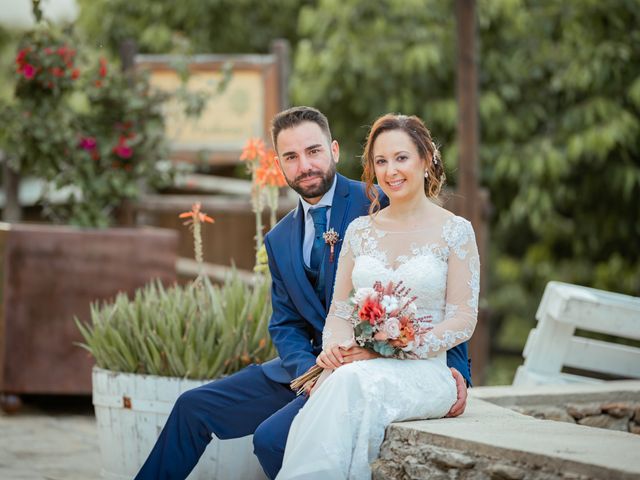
(358, 353)
(461, 403)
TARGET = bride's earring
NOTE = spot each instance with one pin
(426, 174)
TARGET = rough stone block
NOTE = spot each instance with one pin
(381, 470)
(420, 472)
(581, 410)
(557, 414)
(618, 409)
(502, 471)
(452, 459)
(606, 421)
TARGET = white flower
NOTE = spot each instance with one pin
(411, 309)
(362, 294)
(389, 303)
(392, 327)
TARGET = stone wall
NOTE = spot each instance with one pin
(404, 458)
(620, 416)
(503, 435)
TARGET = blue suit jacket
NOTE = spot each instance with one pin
(298, 315)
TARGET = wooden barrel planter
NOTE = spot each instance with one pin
(51, 273)
(131, 410)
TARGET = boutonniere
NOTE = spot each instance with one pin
(331, 237)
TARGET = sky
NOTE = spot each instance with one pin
(17, 13)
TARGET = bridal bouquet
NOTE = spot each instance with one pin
(385, 320)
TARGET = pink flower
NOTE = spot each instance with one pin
(122, 149)
(21, 59)
(87, 143)
(29, 71)
(103, 67)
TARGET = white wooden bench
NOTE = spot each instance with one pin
(552, 345)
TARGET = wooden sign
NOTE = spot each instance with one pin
(244, 109)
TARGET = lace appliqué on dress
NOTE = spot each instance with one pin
(457, 232)
(474, 283)
(446, 341)
(441, 252)
(362, 242)
(450, 311)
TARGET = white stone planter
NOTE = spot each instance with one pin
(131, 411)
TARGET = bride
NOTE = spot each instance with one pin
(338, 433)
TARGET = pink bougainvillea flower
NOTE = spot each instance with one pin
(21, 59)
(57, 72)
(123, 150)
(29, 71)
(75, 74)
(103, 67)
(88, 143)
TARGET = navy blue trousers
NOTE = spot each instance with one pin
(245, 403)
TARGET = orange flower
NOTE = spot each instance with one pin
(196, 214)
(407, 333)
(371, 311)
(269, 173)
(253, 150)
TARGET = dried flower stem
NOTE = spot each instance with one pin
(298, 383)
(197, 250)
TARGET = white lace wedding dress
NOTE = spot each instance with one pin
(340, 429)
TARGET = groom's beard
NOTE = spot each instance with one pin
(314, 191)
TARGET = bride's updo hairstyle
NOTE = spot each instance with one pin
(421, 137)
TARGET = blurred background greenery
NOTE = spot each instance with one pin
(559, 112)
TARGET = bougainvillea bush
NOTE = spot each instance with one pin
(83, 126)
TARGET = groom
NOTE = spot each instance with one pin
(257, 400)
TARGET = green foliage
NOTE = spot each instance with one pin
(208, 26)
(358, 60)
(198, 331)
(559, 108)
(560, 118)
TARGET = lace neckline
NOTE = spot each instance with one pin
(377, 228)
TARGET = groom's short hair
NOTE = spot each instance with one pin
(294, 116)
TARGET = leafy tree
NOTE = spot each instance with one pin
(208, 26)
(559, 109)
(560, 117)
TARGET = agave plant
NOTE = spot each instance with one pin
(198, 331)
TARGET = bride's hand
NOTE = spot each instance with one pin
(330, 358)
(358, 353)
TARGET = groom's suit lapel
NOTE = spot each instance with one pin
(297, 264)
(338, 221)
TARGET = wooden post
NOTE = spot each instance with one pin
(472, 199)
(128, 51)
(11, 184)
(281, 49)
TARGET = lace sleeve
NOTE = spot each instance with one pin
(462, 291)
(338, 329)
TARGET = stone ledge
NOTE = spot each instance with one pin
(492, 441)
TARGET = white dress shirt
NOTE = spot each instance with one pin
(309, 229)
